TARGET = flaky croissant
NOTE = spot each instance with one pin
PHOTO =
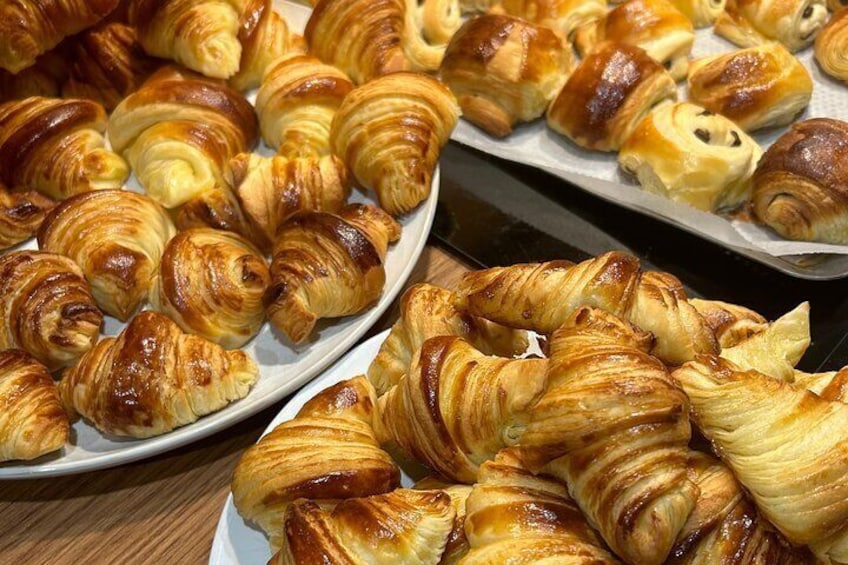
(21, 214)
(562, 16)
(389, 133)
(153, 378)
(457, 544)
(793, 23)
(117, 237)
(832, 385)
(44, 78)
(326, 266)
(32, 421)
(46, 307)
(56, 147)
(703, 13)
(832, 46)
(218, 209)
(730, 323)
(327, 452)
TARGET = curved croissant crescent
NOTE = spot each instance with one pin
(832, 46)
(32, 422)
(21, 215)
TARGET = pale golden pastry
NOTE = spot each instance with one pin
(296, 104)
(801, 183)
(656, 26)
(21, 214)
(457, 544)
(612, 89)
(57, 148)
(785, 445)
(44, 78)
(457, 407)
(211, 283)
(758, 87)
(794, 23)
(832, 385)
(613, 426)
(179, 131)
(703, 13)
(117, 237)
(153, 378)
(327, 266)
(428, 27)
(504, 70)
(562, 16)
(542, 296)
(32, 421)
(693, 156)
(327, 452)
(832, 46)
(272, 190)
(730, 323)
(390, 132)
(46, 308)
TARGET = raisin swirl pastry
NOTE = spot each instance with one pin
(703, 13)
(21, 214)
(794, 23)
(832, 46)
(504, 70)
(801, 183)
(46, 308)
(686, 153)
(757, 87)
(608, 94)
(562, 16)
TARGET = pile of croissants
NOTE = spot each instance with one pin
(655, 429)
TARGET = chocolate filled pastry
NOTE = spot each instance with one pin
(504, 70)
(832, 46)
(656, 26)
(562, 16)
(692, 155)
(703, 13)
(757, 87)
(608, 94)
(801, 183)
(794, 23)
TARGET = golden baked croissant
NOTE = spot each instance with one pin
(542, 296)
(117, 237)
(403, 526)
(217, 209)
(832, 46)
(656, 26)
(731, 323)
(801, 183)
(28, 29)
(757, 87)
(691, 155)
(153, 378)
(46, 308)
(562, 16)
(504, 70)
(389, 133)
(327, 452)
(327, 266)
(457, 407)
(21, 213)
(56, 147)
(612, 89)
(44, 78)
(614, 427)
(32, 422)
(296, 104)
(703, 13)
(832, 385)
(784, 444)
(179, 131)
(457, 544)
(271, 190)
(518, 518)
(211, 283)
(754, 22)
(428, 311)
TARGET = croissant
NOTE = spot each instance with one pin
(457, 544)
(389, 133)
(153, 378)
(832, 46)
(44, 78)
(56, 147)
(327, 266)
(272, 190)
(296, 104)
(404, 526)
(32, 422)
(117, 237)
(218, 209)
(428, 311)
(753, 22)
(504, 70)
(28, 29)
(757, 87)
(612, 89)
(562, 16)
(612, 424)
(457, 407)
(542, 296)
(211, 283)
(800, 187)
(691, 155)
(785, 445)
(703, 13)
(832, 385)
(656, 26)
(730, 323)
(179, 131)
(46, 308)
(327, 452)
(21, 213)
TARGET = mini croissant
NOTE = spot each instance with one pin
(755, 22)
(562, 16)
(832, 46)
(21, 214)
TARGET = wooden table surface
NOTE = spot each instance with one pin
(161, 510)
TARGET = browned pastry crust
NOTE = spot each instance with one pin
(754, 22)
(731, 323)
(836, 5)
(457, 544)
(44, 78)
(21, 214)
(832, 385)
(832, 46)
(562, 16)
(801, 183)
(218, 209)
